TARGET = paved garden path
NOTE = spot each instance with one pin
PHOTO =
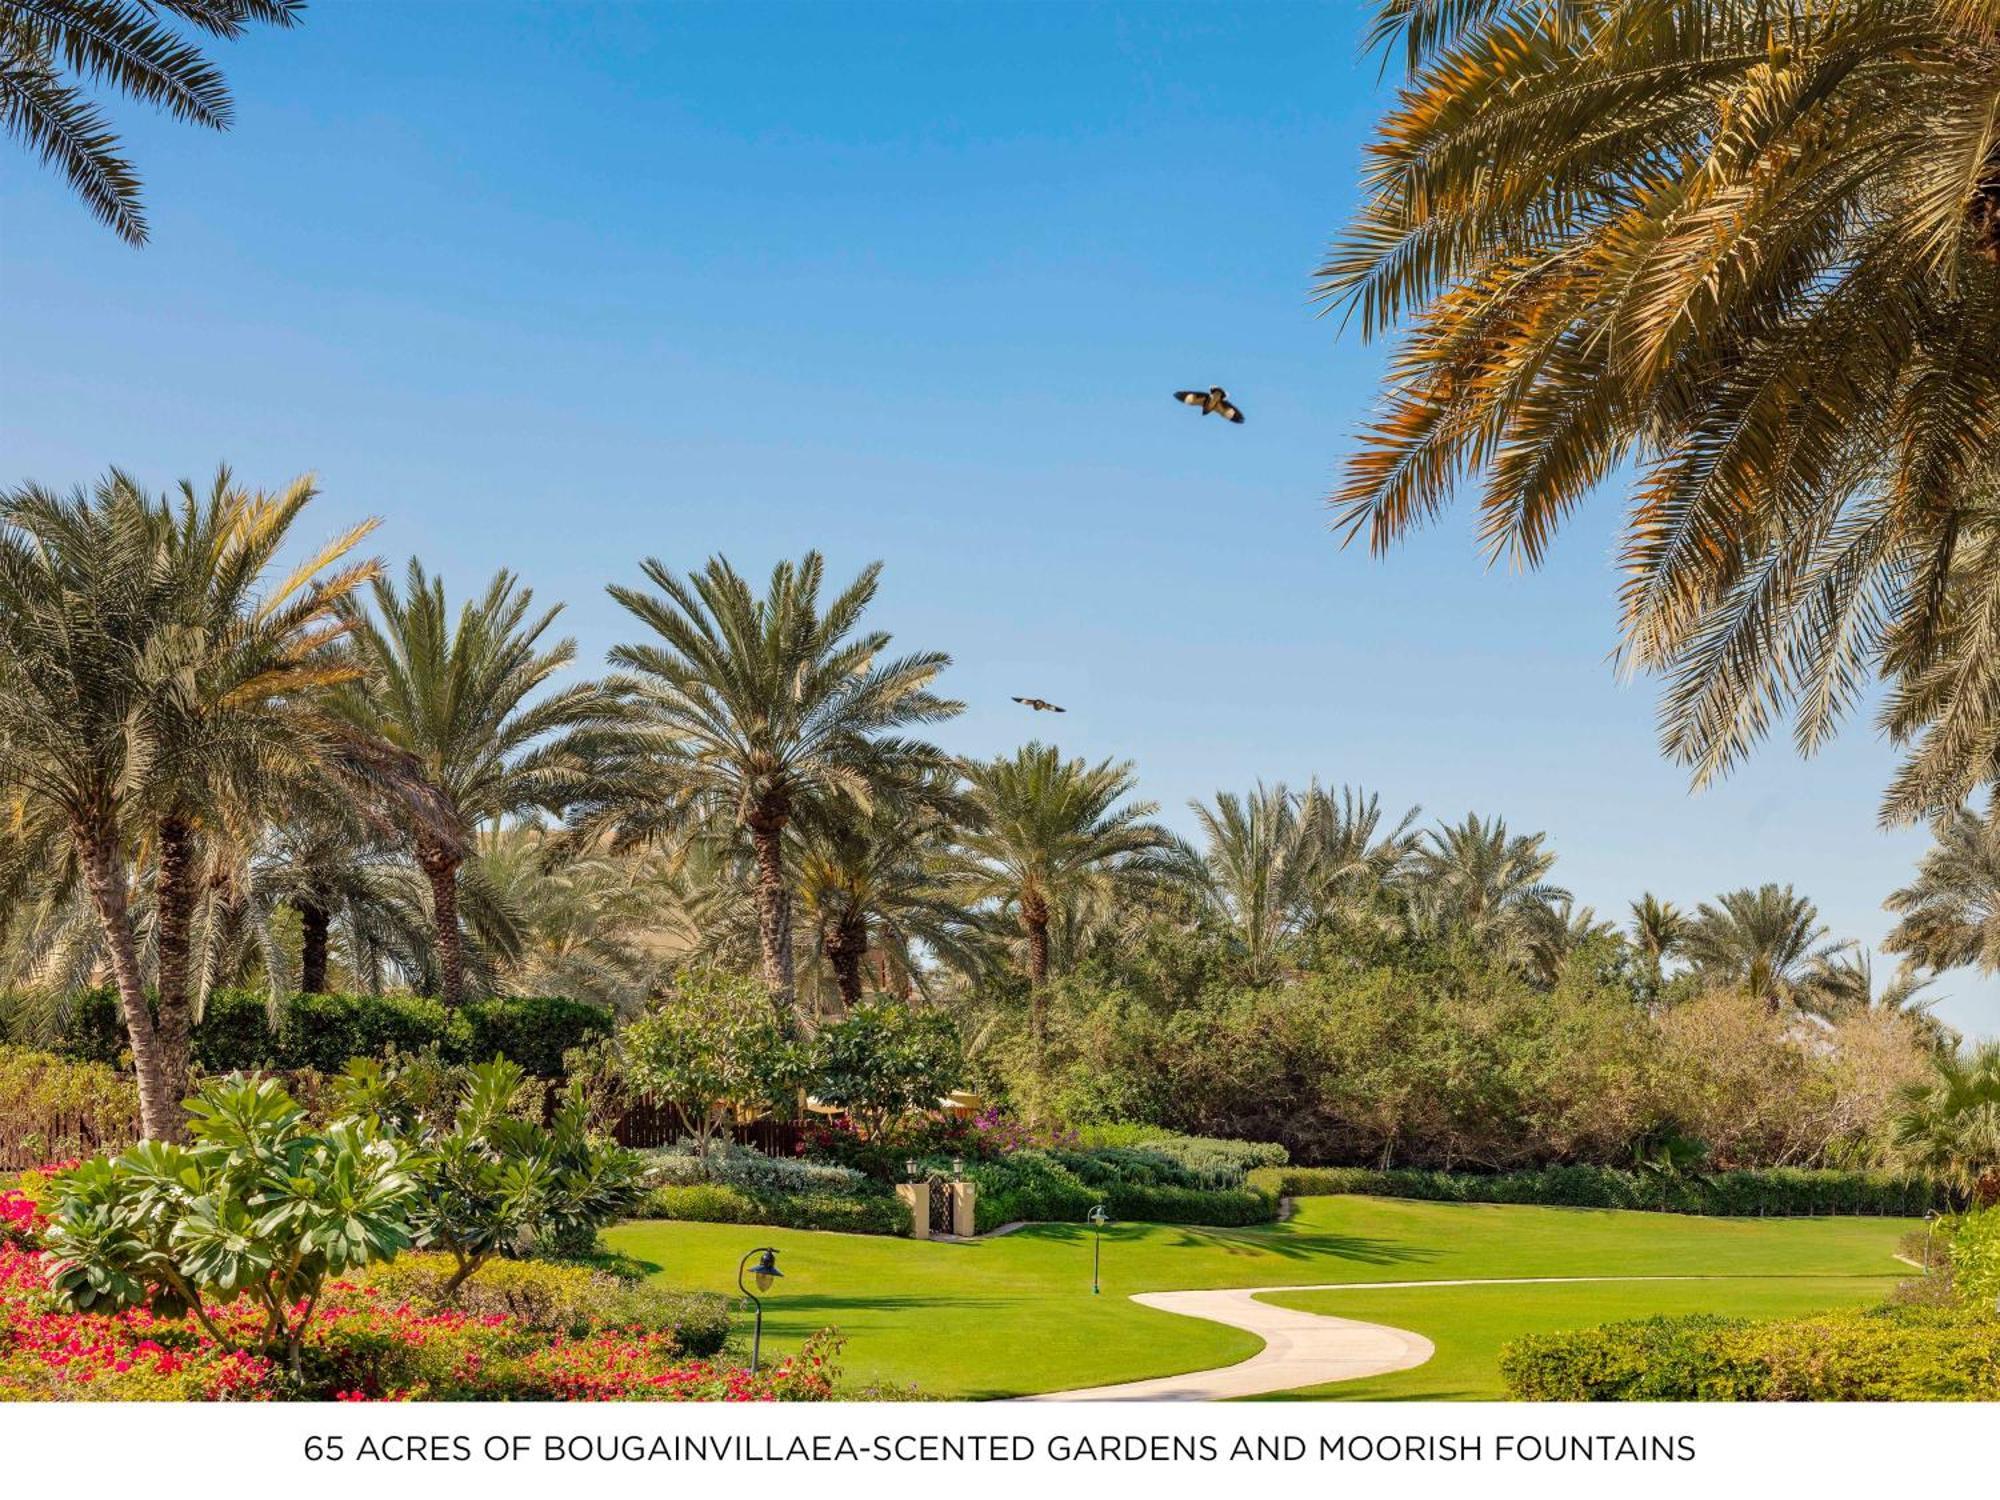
(1300, 1348)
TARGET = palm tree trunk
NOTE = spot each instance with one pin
(315, 923)
(440, 866)
(104, 876)
(1035, 921)
(774, 903)
(173, 911)
(846, 946)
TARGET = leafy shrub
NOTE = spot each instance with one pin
(492, 1183)
(714, 1039)
(877, 1212)
(1207, 1156)
(1063, 1187)
(1177, 1205)
(1780, 1191)
(570, 1300)
(1975, 1257)
(322, 1032)
(884, 1059)
(259, 1209)
(53, 1108)
(747, 1167)
(1891, 1354)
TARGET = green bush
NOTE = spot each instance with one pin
(573, 1301)
(1975, 1258)
(54, 1109)
(322, 1032)
(1890, 1354)
(721, 1203)
(1207, 1156)
(1779, 1192)
(1064, 1186)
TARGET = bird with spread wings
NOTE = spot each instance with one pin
(1215, 399)
(1042, 705)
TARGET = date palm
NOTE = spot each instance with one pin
(1949, 915)
(1659, 931)
(1056, 837)
(81, 601)
(1476, 882)
(468, 701)
(49, 48)
(1768, 943)
(1257, 868)
(747, 709)
(1358, 857)
(1949, 1124)
(1752, 252)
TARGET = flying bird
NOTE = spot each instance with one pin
(1042, 705)
(1214, 399)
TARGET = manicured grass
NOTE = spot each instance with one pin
(1469, 1324)
(1015, 1315)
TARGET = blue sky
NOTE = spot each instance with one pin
(560, 288)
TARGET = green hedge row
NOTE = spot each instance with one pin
(324, 1031)
(1063, 1187)
(1891, 1354)
(720, 1203)
(1781, 1192)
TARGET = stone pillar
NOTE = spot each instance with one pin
(964, 1197)
(916, 1198)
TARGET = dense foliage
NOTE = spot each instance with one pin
(1891, 1354)
(54, 1108)
(236, 1034)
(1775, 1191)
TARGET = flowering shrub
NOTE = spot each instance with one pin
(367, 1343)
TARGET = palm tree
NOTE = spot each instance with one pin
(1055, 837)
(241, 667)
(1768, 943)
(1659, 931)
(1950, 1123)
(124, 43)
(81, 601)
(1477, 882)
(1753, 251)
(747, 710)
(881, 882)
(1949, 915)
(1258, 868)
(1357, 859)
(460, 700)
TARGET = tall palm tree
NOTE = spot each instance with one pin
(241, 665)
(1056, 836)
(1754, 251)
(1949, 914)
(467, 700)
(1475, 881)
(1358, 857)
(1659, 931)
(748, 709)
(81, 601)
(1768, 943)
(123, 43)
(881, 882)
(1258, 869)
(1949, 1124)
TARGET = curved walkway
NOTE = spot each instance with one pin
(1300, 1348)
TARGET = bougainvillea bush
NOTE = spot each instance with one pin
(366, 1342)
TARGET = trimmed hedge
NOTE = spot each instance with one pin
(1891, 1354)
(1974, 1251)
(721, 1203)
(1064, 1186)
(1780, 1192)
(323, 1031)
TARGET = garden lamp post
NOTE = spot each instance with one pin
(1098, 1219)
(763, 1273)
(1930, 1224)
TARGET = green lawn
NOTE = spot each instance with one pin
(1469, 1324)
(1015, 1315)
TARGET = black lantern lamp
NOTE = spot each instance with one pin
(763, 1273)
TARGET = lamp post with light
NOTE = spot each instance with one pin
(763, 1273)
(1098, 1219)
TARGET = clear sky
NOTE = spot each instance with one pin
(559, 288)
